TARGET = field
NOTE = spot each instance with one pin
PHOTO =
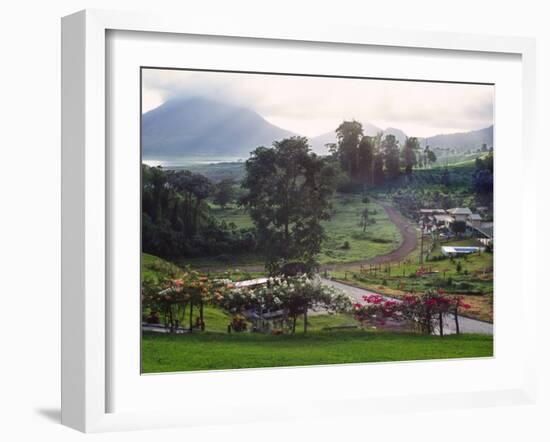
(217, 351)
(346, 241)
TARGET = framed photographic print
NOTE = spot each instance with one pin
(251, 211)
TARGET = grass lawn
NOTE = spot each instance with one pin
(217, 351)
(380, 237)
(346, 241)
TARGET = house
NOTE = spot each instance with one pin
(443, 221)
(460, 213)
(474, 220)
(483, 233)
(439, 219)
(431, 212)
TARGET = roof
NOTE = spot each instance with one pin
(431, 211)
(439, 218)
(487, 231)
(475, 217)
(460, 211)
(250, 282)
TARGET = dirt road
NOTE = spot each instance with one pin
(408, 233)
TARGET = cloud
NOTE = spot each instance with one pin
(316, 105)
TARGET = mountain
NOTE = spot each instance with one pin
(318, 143)
(202, 127)
(461, 141)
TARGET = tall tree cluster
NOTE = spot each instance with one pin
(372, 160)
(176, 219)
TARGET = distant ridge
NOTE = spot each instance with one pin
(202, 127)
(462, 141)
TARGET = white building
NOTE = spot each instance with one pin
(460, 213)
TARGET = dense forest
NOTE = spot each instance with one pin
(176, 218)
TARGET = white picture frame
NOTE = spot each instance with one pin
(86, 352)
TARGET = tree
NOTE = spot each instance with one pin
(289, 191)
(378, 173)
(349, 134)
(364, 219)
(365, 159)
(390, 153)
(446, 177)
(430, 155)
(409, 154)
(224, 192)
(195, 189)
(176, 219)
(483, 179)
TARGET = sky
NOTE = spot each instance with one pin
(312, 106)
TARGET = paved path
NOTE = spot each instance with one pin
(466, 325)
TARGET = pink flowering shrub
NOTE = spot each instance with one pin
(425, 311)
(376, 310)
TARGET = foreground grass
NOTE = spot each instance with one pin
(217, 351)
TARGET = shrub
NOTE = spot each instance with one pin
(238, 323)
(293, 296)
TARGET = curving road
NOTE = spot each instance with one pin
(408, 233)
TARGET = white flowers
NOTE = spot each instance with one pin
(292, 294)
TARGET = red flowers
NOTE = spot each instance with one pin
(373, 299)
(430, 302)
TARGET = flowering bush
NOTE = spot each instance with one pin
(377, 310)
(290, 296)
(171, 297)
(428, 309)
(425, 311)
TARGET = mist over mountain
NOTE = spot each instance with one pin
(201, 127)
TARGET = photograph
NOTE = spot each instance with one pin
(305, 220)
